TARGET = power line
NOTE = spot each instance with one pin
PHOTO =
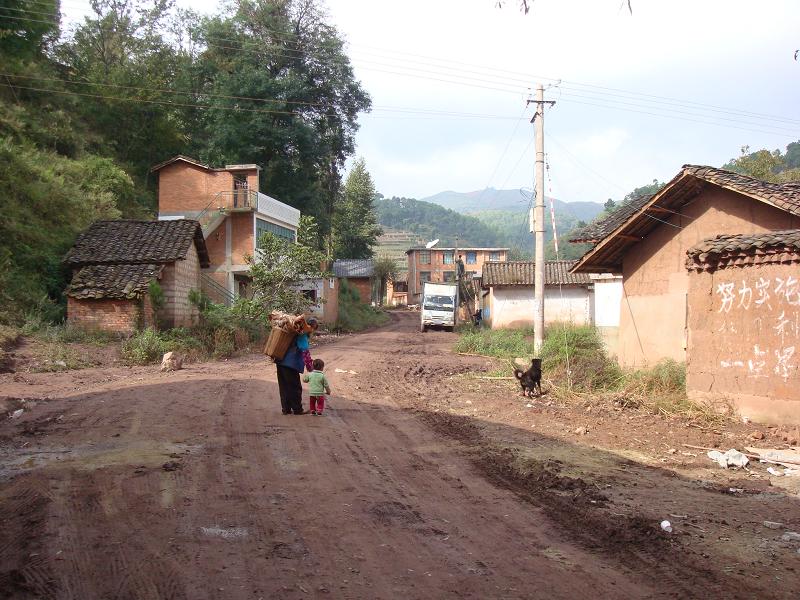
(465, 81)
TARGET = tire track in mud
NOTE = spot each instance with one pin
(632, 541)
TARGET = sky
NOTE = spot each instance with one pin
(637, 95)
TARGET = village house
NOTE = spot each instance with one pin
(358, 273)
(744, 324)
(113, 264)
(232, 213)
(647, 240)
(439, 265)
(509, 294)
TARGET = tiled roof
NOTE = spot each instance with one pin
(180, 157)
(782, 195)
(556, 272)
(137, 242)
(594, 232)
(666, 204)
(353, 267)
(745, 249)
(113, 281)
(460, 249)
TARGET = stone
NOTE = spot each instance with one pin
(171, 361)
(791, 536)
(757, 435)
(773, 525)
(581, 431)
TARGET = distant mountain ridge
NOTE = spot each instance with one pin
(492, 199)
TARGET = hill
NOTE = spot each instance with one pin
(515, 200)
(430, 221)
(493, 228)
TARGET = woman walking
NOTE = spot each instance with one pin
(296, 359)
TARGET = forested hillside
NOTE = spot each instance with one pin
(85, 113)
(431, 221)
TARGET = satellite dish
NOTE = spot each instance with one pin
(432, 244)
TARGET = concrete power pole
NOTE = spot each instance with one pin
(538, 221)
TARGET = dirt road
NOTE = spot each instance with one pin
(130, 483)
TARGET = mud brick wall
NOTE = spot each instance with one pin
(653, 322)
(177, 280)
(364, 287)
(744, 339)
(119, 316)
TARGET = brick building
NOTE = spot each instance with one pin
(232, 213)
(114, 262)
(744, 324)
(646, 242)
(439, 265)
(358, 272)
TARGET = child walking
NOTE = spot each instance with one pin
(318, 386)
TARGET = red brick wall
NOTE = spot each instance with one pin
(186, 187)
(242, 225)
(437, 268)
(111, 315)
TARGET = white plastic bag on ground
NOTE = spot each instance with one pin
(731, 458)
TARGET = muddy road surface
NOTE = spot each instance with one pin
(130, 483)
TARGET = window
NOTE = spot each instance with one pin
(495, 256)
(311, 295)
(424, 276)
(400, 286)
(263, 226)
(472, 258)
(425, 257)
(449, 276)
(448, 258)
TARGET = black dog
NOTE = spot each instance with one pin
(531, 379)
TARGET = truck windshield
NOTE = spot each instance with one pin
(438, 303)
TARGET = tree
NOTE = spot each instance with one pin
(609, 205)
(384, 269)
(277, 268)
(765, 165)
(356, 226)
(644, 190)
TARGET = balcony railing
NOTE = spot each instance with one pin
(246, 200)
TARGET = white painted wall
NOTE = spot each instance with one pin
(607, 299)
(514, 306)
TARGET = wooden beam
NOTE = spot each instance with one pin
(625, 236)
(659, 209)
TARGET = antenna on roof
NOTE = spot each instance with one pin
(432, 244)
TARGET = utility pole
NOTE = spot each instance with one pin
(538, 220)
(458, 284)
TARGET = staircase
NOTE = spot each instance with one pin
(217, 293)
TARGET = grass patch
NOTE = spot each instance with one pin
(59, 356)
(65, 333)
(500, 343)
(354, 315)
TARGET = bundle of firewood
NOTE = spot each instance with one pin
(287, 322)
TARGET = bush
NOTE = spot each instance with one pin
(575, 355)
(145, 347)
(354, 315)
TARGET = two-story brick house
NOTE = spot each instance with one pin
(231, 211)
(439, 265)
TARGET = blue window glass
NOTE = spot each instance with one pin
(263, 226)
(472, 258)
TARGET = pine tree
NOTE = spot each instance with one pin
(356, 226)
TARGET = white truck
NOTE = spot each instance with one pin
(439, 302)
